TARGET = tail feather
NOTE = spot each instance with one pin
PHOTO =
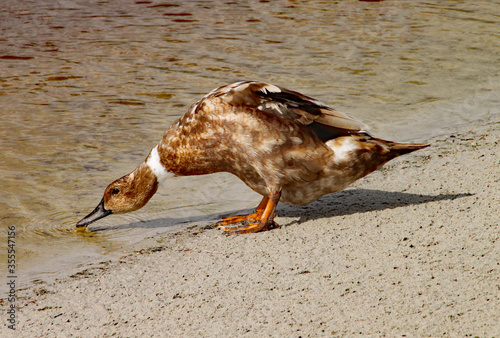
(396, 148)
(405, 148)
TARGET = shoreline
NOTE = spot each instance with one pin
(410, 249)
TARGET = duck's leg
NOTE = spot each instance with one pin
(241, 218)
(260, 220)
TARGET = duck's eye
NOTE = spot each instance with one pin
(115, 191)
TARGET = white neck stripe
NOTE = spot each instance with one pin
(156, 167)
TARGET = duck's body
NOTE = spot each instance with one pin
(285, 146)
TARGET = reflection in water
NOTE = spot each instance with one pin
(88, 87)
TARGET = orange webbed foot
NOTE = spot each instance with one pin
(244, 229)
(260, 220)
(238, 219)
(251, 226)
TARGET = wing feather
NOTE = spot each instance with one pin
(324, 120)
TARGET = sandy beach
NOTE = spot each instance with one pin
(411, 250)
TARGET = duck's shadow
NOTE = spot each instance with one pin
(346, 202)
(355, 201)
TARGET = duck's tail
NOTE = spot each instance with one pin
(396, 149)
(357, 156)
(404, 148)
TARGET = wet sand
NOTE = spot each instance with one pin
(412, 249)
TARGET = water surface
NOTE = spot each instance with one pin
(88, 87)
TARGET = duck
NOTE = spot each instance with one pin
(284, 145)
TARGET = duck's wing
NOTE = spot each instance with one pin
(324, 120)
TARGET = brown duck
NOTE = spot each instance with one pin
(284, 145)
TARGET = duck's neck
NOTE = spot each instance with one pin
(153, 162)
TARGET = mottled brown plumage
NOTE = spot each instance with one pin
(285, 146)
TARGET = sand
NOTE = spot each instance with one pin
(411, 250)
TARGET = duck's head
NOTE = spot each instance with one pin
(128, 193)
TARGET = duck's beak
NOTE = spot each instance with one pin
(98, 213)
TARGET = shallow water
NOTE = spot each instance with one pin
(88, 87)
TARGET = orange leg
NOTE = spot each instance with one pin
(242, 218)
(260, 220)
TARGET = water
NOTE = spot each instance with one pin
(88, 87)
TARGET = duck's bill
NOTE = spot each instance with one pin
(98, 213)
